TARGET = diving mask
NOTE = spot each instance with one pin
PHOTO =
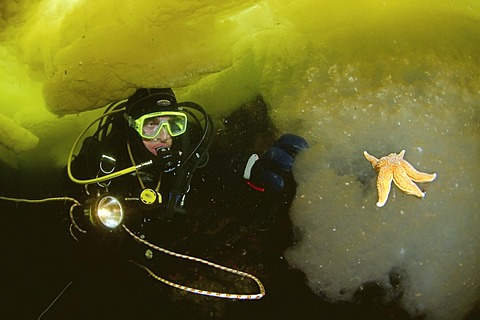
(148, 126)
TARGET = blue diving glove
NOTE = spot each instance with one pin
(267, 172)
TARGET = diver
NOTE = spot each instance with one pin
(146, 170)
(145, 152)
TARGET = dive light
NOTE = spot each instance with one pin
(108, 211)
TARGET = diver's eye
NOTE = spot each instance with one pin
(152, 123)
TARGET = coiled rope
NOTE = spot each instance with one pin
(234, 296)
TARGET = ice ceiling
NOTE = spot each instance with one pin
(349, 75)
(64, 57)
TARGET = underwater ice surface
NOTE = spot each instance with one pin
(427, 105)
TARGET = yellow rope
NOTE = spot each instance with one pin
(40, 200)
(75, 204)
(238, 296)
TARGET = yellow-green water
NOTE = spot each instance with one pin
(350, 76)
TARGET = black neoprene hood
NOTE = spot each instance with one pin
(145, 101)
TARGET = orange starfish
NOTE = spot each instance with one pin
(394, 167)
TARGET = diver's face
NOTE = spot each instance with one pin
(162, 139)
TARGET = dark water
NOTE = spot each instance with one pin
(41, 259)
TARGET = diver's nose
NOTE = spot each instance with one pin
(163, 135)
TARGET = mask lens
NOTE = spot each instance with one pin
(151, 126)
(177, 125)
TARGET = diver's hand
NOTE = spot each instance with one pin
(267, 172)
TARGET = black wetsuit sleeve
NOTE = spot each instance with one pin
(221, 186)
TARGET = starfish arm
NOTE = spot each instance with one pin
(416, 175)
(405, 183)
(370, 158)
(384, 183)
